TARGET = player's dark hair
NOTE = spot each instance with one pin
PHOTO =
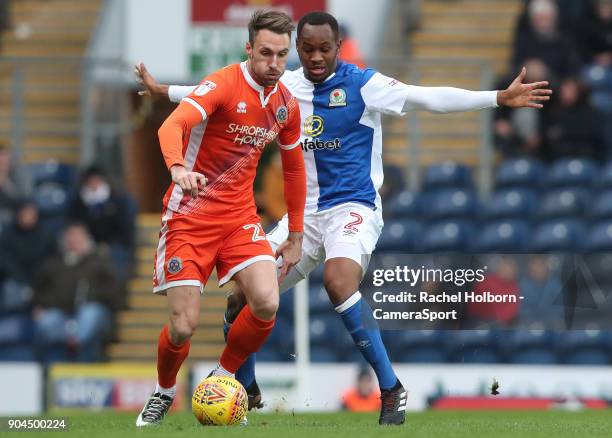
(318, 18)
(274, 21)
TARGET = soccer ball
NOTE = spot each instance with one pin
(219, 401)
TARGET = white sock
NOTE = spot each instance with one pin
(220, 371)
(170, 392)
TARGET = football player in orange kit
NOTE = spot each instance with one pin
(211, 145)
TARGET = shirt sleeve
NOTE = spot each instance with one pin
(212, 94)
(294, 179)
(289, 136)
(390, 96)
(174, 130)
(176, 93)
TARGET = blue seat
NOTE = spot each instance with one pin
(504, 236)
(448, 236)
(530, 347)
(599, 237)
(572, 172)
(416, 346)
(451, 204)
(563, 203)
(472, 346)
(513, 203)
(51, 198)
(586, 347)
(324, 329)
(557, 236)
(17, 353)
(323, 353)
(405, 204)
(601, 207)
(318, 301)
(16, 328)
(449, 175)
(401, 235)
(52, 171)
(519, 172)
(604, 178)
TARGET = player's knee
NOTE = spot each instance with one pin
(338, 288)
(182, 328)
(265, 302)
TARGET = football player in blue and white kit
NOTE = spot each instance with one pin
(341, 108)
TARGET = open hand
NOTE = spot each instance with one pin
(519, 95)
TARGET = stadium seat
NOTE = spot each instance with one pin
(405, 204)
(513, 203)
(599, 237)
(324, 353)
(604, 178)
(530, 347)
(400, 235)
(572, 172)
(51, 198)
(564, 203)
(448, 175)
(324, 329)
(519, 172)
(318, 301)
(416, 346)
(16, 328)
(557, 236)
(472, 346)
(585, 347)
(505, 236)
(601, 207)
(451, 204)
(448, 236)
(53, 171)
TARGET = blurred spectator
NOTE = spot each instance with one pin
(74, 298)
(109, 214)
(540, 37)
(541, 288)
(595, 32)
(365, 396)
(502, 281)
(517, 131)
(572, 127)
(25, 245)
(349, 50)
(12, 188)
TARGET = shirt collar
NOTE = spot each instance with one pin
(259, 88)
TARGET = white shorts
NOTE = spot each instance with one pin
(347, 230)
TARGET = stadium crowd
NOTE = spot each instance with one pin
(66, 250)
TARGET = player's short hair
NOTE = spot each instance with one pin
(275, 21)
(318, 18)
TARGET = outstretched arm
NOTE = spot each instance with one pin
(154, 89)
(388, 95)
(448, 99)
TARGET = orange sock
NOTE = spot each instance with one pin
(170, 357)
(246, 336)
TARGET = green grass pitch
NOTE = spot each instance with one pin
(456, 424)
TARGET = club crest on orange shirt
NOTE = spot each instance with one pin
(282, 114)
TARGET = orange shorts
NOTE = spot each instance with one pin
(191, 246)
